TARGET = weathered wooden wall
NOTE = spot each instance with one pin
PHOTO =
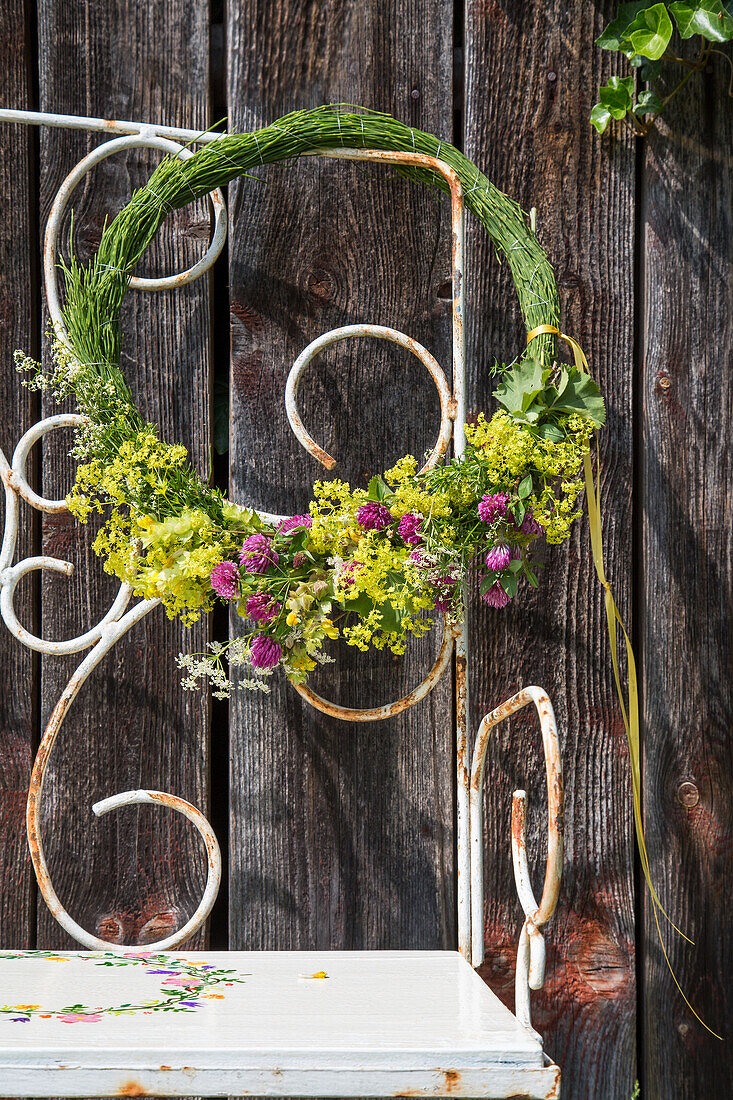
(342, 835)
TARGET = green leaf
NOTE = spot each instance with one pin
(525, 487)
(509, 584)
(520, 386)
(648, 103)
(708, 18)
(487, 582)
(650, 32)
(221, 416)
(377, 490)
(551, 432)
(515, 566)
(391, 619)
(518, 511)
(617, 95)
(649, 70)
(362, 605)
(611, 38)
(600, 117)
(581, 396)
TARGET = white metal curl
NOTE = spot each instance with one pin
(102, 637)
(530, 971)
(111, 633)
(16, 486)
(144, 138)
(381, 332)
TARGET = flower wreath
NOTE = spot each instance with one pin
(368, 565)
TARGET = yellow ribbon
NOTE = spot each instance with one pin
(630, 711)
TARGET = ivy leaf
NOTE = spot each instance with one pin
(581, 396)
(617, 95)
(600, 117)
(649, 70)
(611, 38)
(650, 32)
(520, 386)
(708, 18)
(648, 103)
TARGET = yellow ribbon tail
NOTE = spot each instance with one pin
(630, 712)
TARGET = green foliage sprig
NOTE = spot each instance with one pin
(644, 33)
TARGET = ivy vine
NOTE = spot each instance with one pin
(645, 34)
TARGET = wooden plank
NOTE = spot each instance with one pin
(687, 502)
(342, 834)
(135, 876)
(527, 101)
(18, 702)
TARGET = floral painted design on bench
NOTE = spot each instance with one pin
(185, 986)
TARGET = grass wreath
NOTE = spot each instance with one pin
(368, 564)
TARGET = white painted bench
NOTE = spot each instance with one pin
(111, 1020)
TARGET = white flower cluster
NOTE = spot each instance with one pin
(202, 667)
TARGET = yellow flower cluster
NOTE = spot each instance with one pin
(171, 559)
(333, 511)
(381, 572)
(409, 497)
(509, 448)
(141, 471)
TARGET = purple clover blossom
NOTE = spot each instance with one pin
(257, 554)
(264, 652)
(493, 507)
(531, 526)
(262, 608)
(373, 516)
(294, 523)
(418, 558)
(496, 596)
(410, 528)
(498, 557)
(225, 580)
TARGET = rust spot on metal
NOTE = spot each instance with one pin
(452, 1080)
(132, 1088)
